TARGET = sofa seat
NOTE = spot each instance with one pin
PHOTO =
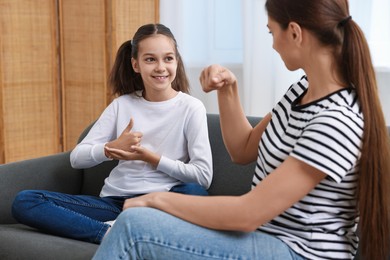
(31, 240)
(19, 242)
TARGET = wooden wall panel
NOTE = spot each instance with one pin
(124, 26)
(29, 79)
(83, 48)
(55, 56)
(91, 33)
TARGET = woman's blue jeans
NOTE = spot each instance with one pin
(146, 233)
(75, 216)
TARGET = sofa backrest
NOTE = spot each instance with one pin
(93, 178)
(228, 179)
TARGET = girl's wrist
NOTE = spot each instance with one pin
(153, 159)
(105, 151)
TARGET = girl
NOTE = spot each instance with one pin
(154, 128)
(322, 159)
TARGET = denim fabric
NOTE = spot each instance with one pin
(79, 217)
(146, 233)
(189, 188)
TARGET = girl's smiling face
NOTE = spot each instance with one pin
(157, 64)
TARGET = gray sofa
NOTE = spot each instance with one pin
(55, 173)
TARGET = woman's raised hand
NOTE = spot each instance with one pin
(215, 77)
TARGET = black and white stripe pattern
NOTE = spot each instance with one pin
(326, 134)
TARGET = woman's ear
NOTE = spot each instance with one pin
(134, 63)
(295, 32)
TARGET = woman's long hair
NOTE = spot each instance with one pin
(124, 80)
(331, 23)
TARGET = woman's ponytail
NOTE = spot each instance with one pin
(374, 167)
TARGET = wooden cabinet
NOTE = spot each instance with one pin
(55, 56)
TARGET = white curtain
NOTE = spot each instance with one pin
(261, 74)
(373, 16)
(264, 75)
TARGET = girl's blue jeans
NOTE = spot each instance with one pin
(146, 233)
(76, 216)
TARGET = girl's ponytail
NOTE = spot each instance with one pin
(123, 78)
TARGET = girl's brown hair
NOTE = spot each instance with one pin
(124, 80)
(331, 23)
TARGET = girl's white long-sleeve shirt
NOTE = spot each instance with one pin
(175, 129)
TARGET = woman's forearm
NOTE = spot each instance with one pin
(216, 212)
(240, 138)
(234, 125)
(276, 193)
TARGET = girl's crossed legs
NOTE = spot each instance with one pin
(80, 217)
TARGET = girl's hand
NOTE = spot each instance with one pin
(216, 77)
(126, 140)
(136, 152)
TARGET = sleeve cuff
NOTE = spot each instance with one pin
(166, 165)
(98, 153)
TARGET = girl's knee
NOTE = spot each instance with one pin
(23, 202)
(26, 195)
(22, 197)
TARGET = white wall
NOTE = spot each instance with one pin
(215, 31)
(210, 99)
(383, 78)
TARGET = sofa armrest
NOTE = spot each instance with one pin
(52, 172)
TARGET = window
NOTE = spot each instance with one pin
(374, 18)
(206, 30)
(216, 31)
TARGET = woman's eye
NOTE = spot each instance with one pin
(149, 59)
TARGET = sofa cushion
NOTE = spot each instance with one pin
(93, 178)
(21, 242)
(229, 178)
(51, 172)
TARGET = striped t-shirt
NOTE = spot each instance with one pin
(326, 134)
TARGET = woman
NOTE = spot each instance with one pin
(322, 159)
